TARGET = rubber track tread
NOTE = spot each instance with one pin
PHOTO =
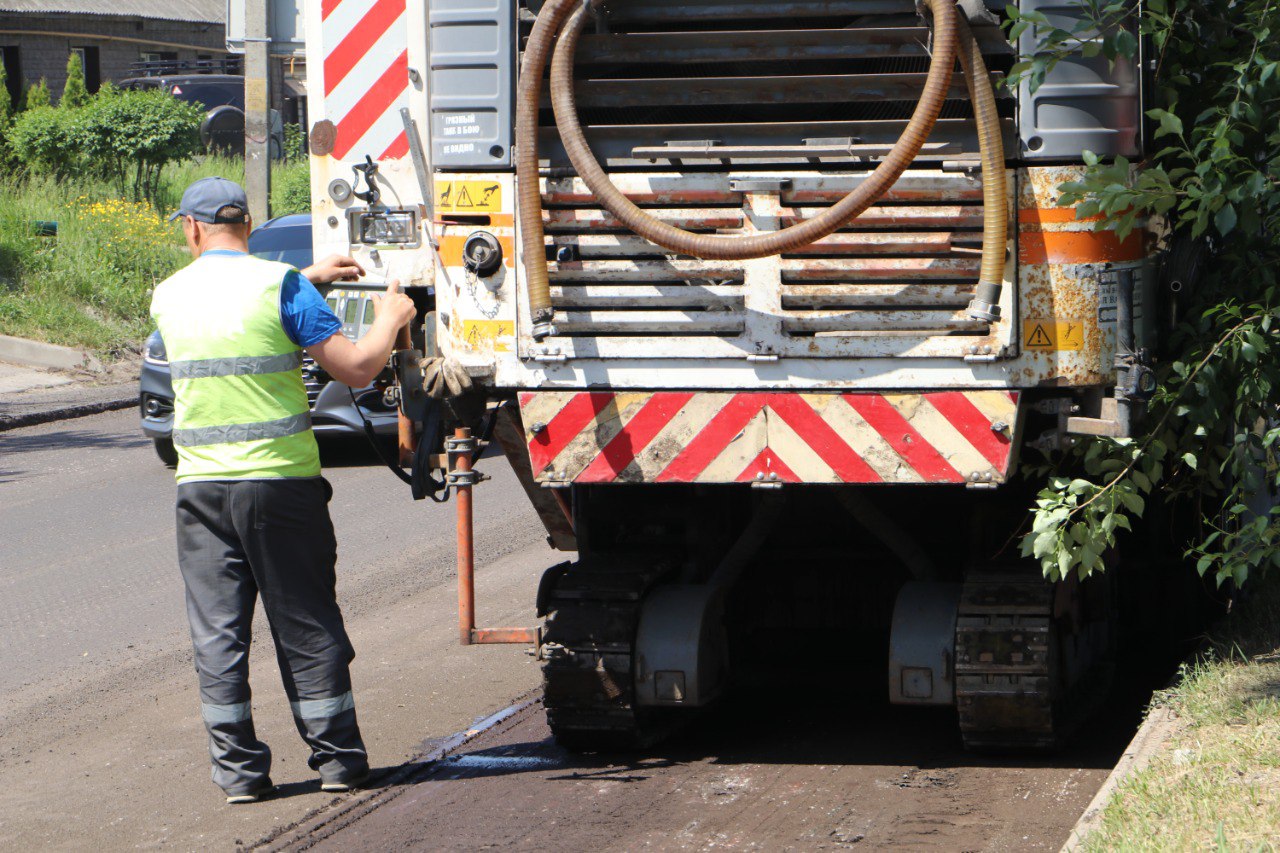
(588, 679)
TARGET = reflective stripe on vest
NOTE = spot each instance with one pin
(240, 407)
(241, 366)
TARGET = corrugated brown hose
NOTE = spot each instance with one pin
(947, 25)
(995, 217)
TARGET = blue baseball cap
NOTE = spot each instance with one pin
(204, 198)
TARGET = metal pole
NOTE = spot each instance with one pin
(257, 120)
(466, 551)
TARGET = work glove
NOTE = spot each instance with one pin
(444, 377)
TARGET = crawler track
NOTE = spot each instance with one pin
(589, 643)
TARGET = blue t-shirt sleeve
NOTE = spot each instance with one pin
(307, 318)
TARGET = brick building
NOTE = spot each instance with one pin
(112, 36)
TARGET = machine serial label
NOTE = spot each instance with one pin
(1053, 334)
(468, 197)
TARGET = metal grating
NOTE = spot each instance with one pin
(894, 282)
(674, 84)
(687, 103)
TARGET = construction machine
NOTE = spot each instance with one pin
(767, 303)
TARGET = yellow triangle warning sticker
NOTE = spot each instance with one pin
(469, 196)
(1039, 337)
(1053, 334)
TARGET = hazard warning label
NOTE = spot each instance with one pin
(1053, 334)
(468, 197)
(488, 334)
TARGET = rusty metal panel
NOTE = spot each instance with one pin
(811, 296)
(879, 269)
(713, 437)
(707, 297)
(1062, 273)
(648, 322)
(645, 271)
(939, 322)
(601, 220)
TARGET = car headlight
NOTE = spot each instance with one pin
(153, 351)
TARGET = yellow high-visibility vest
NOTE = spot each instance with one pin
(240, 407)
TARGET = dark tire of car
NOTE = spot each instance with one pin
(166, 451)
(223, 130)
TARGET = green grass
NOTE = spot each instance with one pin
(91, 285)
(1216, 784)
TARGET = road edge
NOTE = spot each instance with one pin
(308, 829)
(65, 413)
(1151, 735)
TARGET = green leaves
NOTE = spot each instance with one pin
(124, 136)
(1215, 413)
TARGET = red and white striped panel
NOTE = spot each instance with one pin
(687, 437)
(366, 76)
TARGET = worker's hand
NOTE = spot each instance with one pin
(333, 268)
(394, 305)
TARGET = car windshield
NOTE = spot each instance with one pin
(290, 245)
(209, 95)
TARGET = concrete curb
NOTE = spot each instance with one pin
(66, 412)
(1151, 735)
(38, 354)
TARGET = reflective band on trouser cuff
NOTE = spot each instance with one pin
(227, 433)
(215, 714)
(251, 365)
(317, 709)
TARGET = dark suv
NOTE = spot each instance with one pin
(222, 98)
(287, 239)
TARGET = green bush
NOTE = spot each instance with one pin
(294, 145)
(74, 94)
(46, 140)
(38, 95)
(130, 137)
(1212, 439)
(291, 188)
(6, 102)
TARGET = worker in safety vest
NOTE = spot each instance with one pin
(252, 509)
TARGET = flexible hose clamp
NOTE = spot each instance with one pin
(985, 304)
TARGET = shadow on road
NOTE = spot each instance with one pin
(13, 443)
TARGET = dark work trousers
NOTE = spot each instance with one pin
(238, 539)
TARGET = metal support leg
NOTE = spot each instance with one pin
(461, 449)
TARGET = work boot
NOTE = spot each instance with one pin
(253, 796)
(342, 787)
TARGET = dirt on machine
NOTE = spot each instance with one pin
(771, 308)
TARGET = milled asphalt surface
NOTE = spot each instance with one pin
(101, 744)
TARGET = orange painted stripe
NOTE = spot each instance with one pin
(1052, 215)
(1078, 247)
(451, 249)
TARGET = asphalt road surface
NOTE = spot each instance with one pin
(101, 744)
(756, 775)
